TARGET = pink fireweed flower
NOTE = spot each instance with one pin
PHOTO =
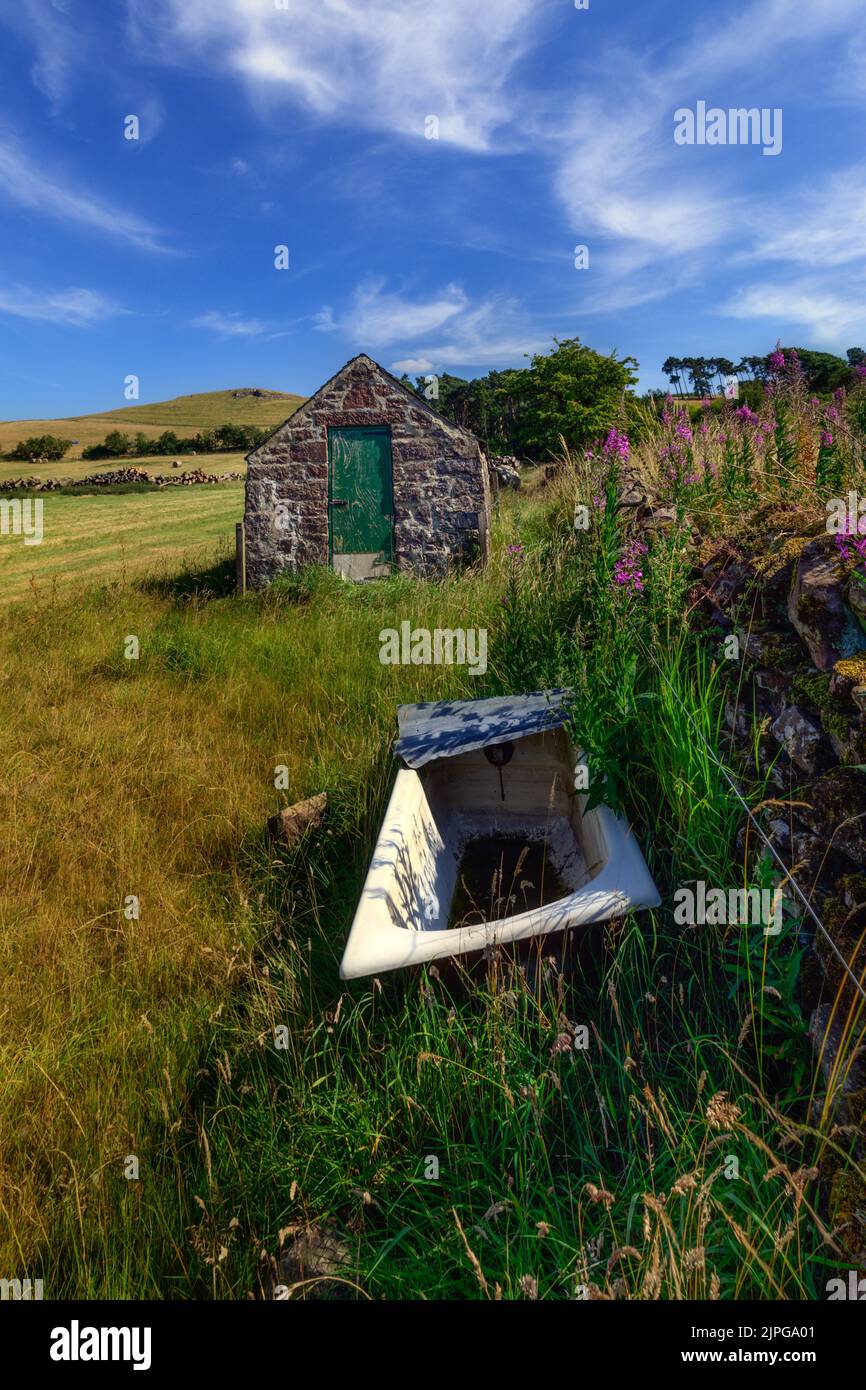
(627, 572)
(844, 539)
(860, 370)
(747, 416)
(617, 443)
(826, 439)
(777, 360)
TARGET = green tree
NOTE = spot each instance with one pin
(41, 446)
(167, 443)
(824, 371)
(118, 445)
(571, 392)
(673, 370)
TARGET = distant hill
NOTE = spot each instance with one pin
(183, 414)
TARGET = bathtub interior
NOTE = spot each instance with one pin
(451, 802)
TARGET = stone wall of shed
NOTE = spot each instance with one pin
(441, 484)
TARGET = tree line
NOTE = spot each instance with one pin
(704, 376)
(117, 444)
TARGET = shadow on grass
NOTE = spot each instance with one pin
(212, 581)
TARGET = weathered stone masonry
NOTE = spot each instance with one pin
(440, 477)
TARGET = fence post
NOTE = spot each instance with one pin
(240, 558)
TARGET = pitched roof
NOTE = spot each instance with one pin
(418, 401)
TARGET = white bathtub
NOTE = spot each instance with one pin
(404, 910)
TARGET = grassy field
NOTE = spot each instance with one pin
(154, 1142)
(90, 540)
(183, 414)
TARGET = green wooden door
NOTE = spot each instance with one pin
(360, 501)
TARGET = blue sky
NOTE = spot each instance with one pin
(305, 126)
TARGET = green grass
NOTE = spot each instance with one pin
(92, 538)
(672, 1157)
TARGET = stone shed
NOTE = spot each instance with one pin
(367, 477)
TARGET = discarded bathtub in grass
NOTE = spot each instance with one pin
(487, 839)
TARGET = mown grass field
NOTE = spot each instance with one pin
(92, 539)
(154, 1139)
(183, 414)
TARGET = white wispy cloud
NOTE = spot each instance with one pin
(829, 316)
(760, 36)
(80, 308)
(617, 176)
(24, 181)
(821, 225)
(230, 325)
(380, 317)
(56, 44)
(442, 329)
(413, 366)
(380, 64)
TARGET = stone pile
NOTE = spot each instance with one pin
(193, 476)
(35, 484)
(114, 476)
(505, 471)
